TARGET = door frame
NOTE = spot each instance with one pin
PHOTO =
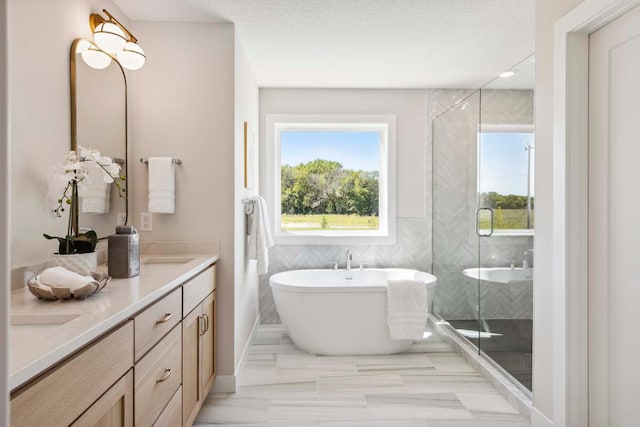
(4, 216)
(570, 208)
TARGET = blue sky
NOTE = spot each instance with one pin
(503, 163)
(357, 150)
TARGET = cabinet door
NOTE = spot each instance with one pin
(207, 344)
(113, 409)
(192, 327)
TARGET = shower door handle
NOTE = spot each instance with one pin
(482, 234)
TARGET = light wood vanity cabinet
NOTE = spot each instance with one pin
(198, 344)
(153, 370)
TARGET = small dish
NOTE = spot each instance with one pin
(54, 293)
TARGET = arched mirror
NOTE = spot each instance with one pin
(99, 121)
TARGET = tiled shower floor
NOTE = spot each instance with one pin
(427, 386)
(509, 344)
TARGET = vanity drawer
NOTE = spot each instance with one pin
(66, 391)
(157, 377)
(197, 289)
(154, 322)
(172, 414)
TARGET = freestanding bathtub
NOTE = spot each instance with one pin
(340, 312)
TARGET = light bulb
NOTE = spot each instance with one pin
(109, 37)
(83, 45)
(132, 57)
(507, 74)
(95, 58)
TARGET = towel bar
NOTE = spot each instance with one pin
(174, 161)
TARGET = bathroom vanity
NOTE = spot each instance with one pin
(140, 353)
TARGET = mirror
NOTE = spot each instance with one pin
(99, 121)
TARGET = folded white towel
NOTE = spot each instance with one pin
(406, 309)
(61, 277)
(161, 185)
(260, 239)
(96, 193)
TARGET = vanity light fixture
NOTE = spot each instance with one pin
(114, 40)
(132, 57)
(92, 55)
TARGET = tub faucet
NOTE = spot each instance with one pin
(349, 259)
(525, 261)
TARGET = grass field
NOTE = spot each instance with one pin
(502, 219)
(507, 219)
(329, 222)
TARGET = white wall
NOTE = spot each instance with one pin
(39, 104)
(547, 13)
(246, 276)
(182, 104)
(4, 219)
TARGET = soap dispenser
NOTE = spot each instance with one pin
(124, 252)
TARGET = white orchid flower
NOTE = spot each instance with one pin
(89, 154)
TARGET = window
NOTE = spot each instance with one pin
(331, 178)
(506, 178)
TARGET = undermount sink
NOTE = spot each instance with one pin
(166, 260)
(42, 319)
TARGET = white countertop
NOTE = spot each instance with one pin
(35, 348)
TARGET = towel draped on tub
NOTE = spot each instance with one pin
(406, 309)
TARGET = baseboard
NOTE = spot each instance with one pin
(247, 344)
(224, 384)
(227, 383)
(539, 420)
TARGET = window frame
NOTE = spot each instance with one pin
(504, 128)
(384, 123)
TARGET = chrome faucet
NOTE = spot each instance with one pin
(525, 261)
(349, 259)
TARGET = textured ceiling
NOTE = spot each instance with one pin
(365, 43)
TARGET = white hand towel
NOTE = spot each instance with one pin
(96, 193)
(161, 185)
(260, 239)
(406, 309)
(61, 277)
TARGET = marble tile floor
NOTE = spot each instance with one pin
(427, 386)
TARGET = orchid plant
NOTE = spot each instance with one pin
(71, 178)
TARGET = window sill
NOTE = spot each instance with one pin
(334, 238)
(513, 233)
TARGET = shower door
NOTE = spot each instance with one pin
(483, 218)
(505, 229)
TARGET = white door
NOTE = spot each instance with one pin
(614, 223)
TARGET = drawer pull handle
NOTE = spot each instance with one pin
(201, 325)
(164, 319)
(206, 322)
(165, 376)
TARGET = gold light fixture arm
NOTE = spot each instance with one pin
(96, 19)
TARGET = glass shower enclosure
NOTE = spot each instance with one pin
(483, 220)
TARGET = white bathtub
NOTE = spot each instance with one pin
(339, 312)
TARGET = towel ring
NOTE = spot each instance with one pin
(249, 206)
